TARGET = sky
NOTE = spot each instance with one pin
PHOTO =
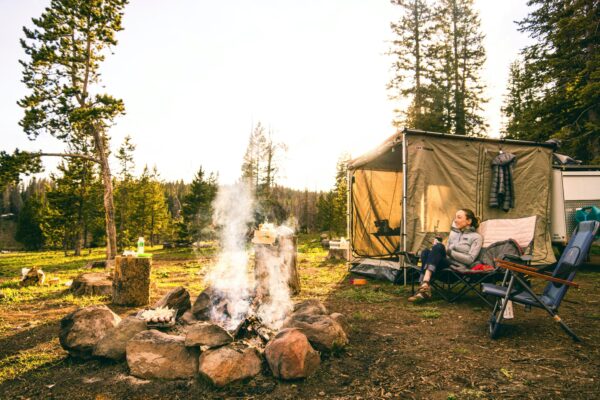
(197, 75)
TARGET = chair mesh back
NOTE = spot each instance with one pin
(572, 257)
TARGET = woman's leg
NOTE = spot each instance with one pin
(432, 260)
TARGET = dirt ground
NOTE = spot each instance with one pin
(398, 350)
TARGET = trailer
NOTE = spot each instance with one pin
(574, 188)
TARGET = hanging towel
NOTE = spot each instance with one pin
(502, 191)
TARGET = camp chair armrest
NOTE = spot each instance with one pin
(531, 272)
(523, 258)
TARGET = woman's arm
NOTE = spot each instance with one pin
(471, 256)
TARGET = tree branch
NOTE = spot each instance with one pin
(74, 155)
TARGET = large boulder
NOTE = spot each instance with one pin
(322, 331)
(92, 284)
(290, 355)
(154, 354)
(207, 334)
(82, 329)
(114, 343)
(178, 299)
(227, 364)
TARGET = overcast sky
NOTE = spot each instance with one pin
(196, 75)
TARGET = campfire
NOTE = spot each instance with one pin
(239, 319)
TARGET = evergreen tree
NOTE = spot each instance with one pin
(30, 224)
(464, 55)
(253, 161)
(325, 211)
(197, 207)
(149, 217)
(340, 196)
(75, 202)
(438, 55)
(65, 50)
(123, 193)
(562, 78)
(413, 32)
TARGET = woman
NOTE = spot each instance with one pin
(464, 244)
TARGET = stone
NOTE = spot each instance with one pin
(290, 355)
(207, 334)
(131, 281)
(341, 319)
(188, 318)
(92, 284)
(114, 343)
(178, 298)
(96, 264)
(83, 328)
(310, 307)
(34, 276)
(154, 354)
(322, 331)
(202, 305)
(226, 364)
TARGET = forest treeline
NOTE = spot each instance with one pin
(438, 55)
(65, 210)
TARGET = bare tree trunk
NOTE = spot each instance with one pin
(109, 207)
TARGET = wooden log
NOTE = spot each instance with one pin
(286, 248)
(288, 245)
(131, 281)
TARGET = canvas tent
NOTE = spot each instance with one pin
(406, 191)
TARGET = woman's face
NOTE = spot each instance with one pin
(460, 220)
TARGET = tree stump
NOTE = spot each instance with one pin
(131, 281)
(286, 249)
(289, 246)
(92, 284)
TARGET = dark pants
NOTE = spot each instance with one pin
(434, 259)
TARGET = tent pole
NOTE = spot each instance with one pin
(349, 212)
(404, 202)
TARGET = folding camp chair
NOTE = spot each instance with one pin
(502, 239)
(561, 279)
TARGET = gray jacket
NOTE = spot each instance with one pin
(463, 246)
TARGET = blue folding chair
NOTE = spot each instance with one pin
(519, 291)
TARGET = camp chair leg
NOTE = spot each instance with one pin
(467, 286)
(496, 318)
(553, 314)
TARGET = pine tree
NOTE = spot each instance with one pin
(75, 201)
(253, 161)
(563, 74)
(123, 193)
(438, 55)
(460, 59)
(413, 33)
(65, 50)
(340, 196)
(30, 231)
(197, 206)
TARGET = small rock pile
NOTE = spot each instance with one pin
(195, 346)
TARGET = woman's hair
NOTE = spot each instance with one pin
(471, 215)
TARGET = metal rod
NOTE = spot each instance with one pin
(404, 202)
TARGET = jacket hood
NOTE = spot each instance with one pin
(503, 159)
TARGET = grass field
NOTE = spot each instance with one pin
(398, 349)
